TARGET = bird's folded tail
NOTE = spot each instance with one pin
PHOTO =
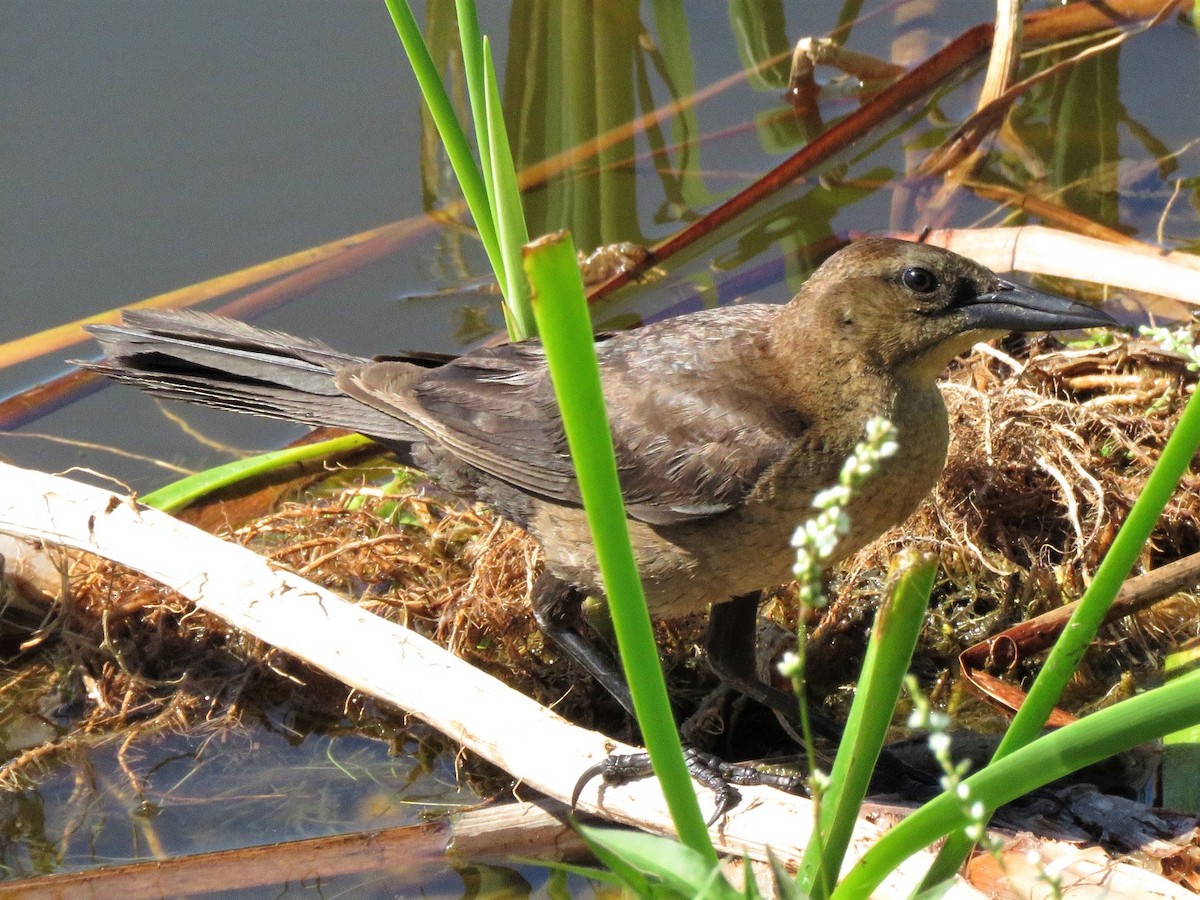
(219, 362)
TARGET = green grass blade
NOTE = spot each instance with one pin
(562, 317)
(889, 653)
(177, 495)
(630, 877)
(471, 40)
(1100, 735)
(685, 872)
(457, 147)
(509, 214)
(1181, 749)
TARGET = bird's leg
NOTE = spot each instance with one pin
(558, 609)
(731, 645)
(711, 771)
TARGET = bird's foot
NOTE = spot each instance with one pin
(711, 771)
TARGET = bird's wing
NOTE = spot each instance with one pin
(688, 445)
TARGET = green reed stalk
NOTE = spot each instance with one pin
(562, 316)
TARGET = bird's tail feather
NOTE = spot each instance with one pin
(227, 364)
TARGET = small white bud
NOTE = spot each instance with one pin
(939, 743)
(789, 665)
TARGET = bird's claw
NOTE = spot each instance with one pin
(711, 771)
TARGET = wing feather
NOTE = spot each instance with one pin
(691, 441)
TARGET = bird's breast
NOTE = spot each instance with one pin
(685, 567)
(907, 477)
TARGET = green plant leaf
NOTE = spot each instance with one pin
(1181, 749)
(1137, 720)
(785, 886)
(683, 870)
(458, 149)
(889, 653)
(180, 494)
(562, 316)
(506, 206)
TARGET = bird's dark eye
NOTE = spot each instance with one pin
(922, 281)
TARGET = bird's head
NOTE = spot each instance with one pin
(911, 308)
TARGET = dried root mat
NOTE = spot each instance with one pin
(1050, 446)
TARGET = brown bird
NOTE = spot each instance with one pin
(726, 423)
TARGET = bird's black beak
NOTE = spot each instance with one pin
(1014, 307)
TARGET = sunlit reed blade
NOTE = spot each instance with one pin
(563, 322)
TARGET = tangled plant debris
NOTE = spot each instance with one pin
(1050, 447)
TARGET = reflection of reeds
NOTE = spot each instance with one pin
(598, 73)
(547, 272)
(489, 183)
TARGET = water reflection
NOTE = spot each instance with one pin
(157, 149)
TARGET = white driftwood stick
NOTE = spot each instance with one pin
(1049, 251)
(387, 661)
(394, 664)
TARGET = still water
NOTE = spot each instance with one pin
(150, 146)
